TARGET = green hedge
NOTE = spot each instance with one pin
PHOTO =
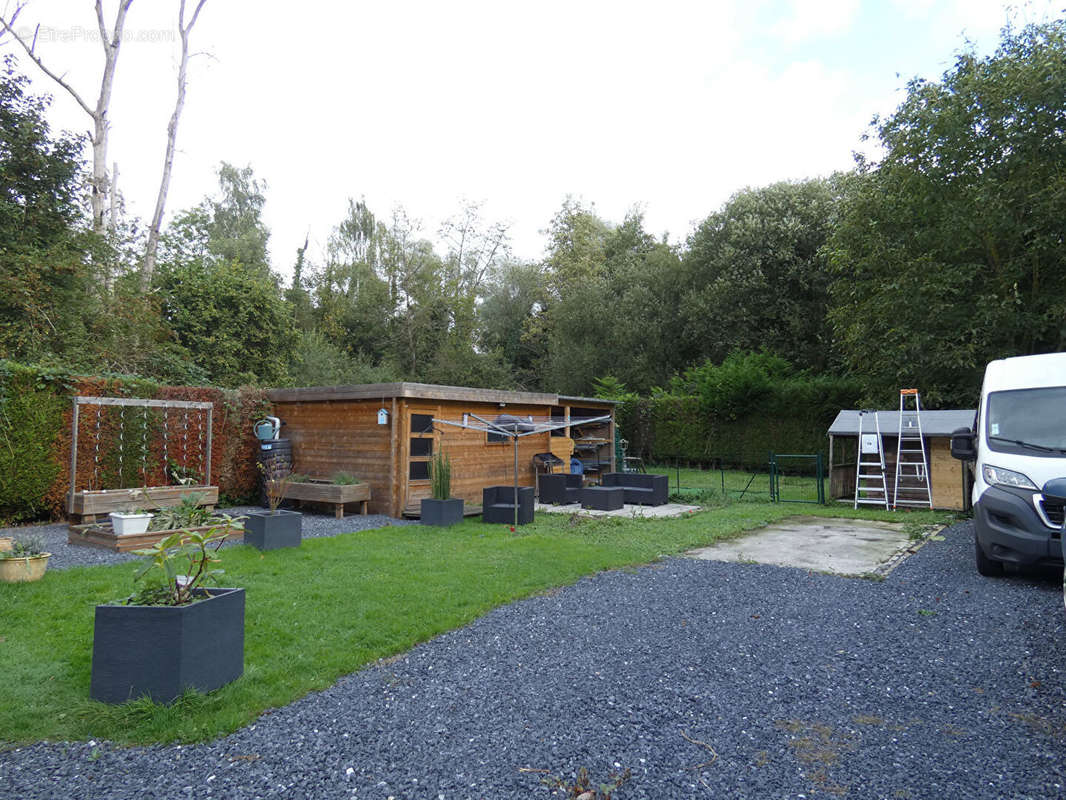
(35, 419)
(736, 413)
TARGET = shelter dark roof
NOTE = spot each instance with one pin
(934, 423)
(424, 391)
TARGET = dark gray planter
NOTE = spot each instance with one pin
(442, 512)
(161, 651)
(272, 531)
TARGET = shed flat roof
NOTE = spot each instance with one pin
(425, 391)
(934, 423)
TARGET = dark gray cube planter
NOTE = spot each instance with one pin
(161, 651)
(272, 531)
(442, 512)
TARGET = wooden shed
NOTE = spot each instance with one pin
(948, 481)
(385, 434)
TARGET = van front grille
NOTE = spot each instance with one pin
(1054, 511)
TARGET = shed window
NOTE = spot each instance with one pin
(421, 423)
(421, 447)
(419, 471)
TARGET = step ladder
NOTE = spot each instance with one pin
(911, 489)
(870, 485)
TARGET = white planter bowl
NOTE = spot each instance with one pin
(129, 524)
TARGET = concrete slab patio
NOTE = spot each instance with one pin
(629, 510)
(841, 546)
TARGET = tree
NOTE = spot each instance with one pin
(611, 303)
(509, 319)
(148, 265)
(47, 300)
(219, 297)
(111, 41)
(756, 277)
(950, 250)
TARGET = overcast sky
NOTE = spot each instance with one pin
(669, 106)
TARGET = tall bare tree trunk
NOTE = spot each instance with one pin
(148, 265)
(110, 40)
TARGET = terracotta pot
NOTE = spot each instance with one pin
(24, 569)
(7, 544)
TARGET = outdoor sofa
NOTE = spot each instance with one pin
(562, 488)
(498, 502)
(640, 489)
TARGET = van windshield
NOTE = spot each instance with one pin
(1028, 421)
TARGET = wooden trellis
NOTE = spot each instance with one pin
(97, 500)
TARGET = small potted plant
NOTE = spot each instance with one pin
(174, 633)
(441, 509)
(133, 520)
(25, 561)
(275, 528)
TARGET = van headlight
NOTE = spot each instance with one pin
(997, 476)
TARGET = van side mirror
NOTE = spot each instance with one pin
(1055, 489)
(962, 445)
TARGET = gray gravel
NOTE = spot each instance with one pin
(933, 683)
(67, 555)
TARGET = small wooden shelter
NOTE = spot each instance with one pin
(948, 480)
(385, 434)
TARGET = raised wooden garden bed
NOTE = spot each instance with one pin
(86, 506)
(335, 494)
(101, 535)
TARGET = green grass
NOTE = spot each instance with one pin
(697, 483)
(323, 610)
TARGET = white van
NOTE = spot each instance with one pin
(1018, 444)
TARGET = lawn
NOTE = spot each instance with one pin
(324, 610)
(747, 486)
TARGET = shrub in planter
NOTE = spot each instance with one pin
(25, 561)
(276, 528)
(442, 509)
(175, 633)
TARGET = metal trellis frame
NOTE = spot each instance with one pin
(123, 403)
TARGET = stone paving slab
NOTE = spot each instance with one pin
(840, 546)
(628, 510)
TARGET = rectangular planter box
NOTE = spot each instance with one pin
(91, 504)
(335, 494)
(442, 512)
(103, 537)
(160, 651)
(272, 531)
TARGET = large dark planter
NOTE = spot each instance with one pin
(160, 651)
(442, 512)
(269, 531)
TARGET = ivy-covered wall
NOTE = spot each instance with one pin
(116, 449)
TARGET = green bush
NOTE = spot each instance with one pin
(737, 412)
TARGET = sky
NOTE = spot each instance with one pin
(668, 107)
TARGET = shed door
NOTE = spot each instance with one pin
(419, 449)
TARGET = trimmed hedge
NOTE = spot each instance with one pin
(736, 413)
(116, 449)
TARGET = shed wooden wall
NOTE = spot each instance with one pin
(945, 472)
(331, 435)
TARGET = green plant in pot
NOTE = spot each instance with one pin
(25, 561)
(133, 519)
(276, 527)
(175, 632)
(442, 509)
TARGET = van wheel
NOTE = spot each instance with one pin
(985, 565)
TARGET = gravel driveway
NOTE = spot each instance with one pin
(933, 683)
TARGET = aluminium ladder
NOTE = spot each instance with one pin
(912, 471)
(870, 485)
